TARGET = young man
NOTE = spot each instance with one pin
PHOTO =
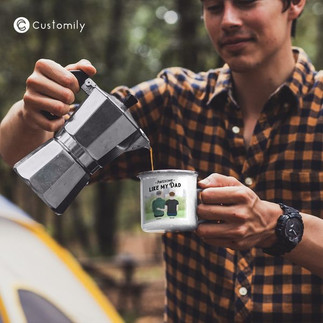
(158, 205)
(256, 126)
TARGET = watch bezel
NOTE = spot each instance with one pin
(282, 225)
(284, 243)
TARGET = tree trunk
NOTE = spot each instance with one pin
(115, 50)
(107, 194)
(188, 33)
(106, 202)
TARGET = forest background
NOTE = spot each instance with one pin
(128, 42)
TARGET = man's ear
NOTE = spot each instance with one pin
(296, 8)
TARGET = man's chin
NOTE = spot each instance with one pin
(240, 65)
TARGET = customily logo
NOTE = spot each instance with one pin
(22, 25)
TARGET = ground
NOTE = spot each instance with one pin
(134, 279)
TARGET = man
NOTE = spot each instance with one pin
(256, 126)
(158, 205)
(172, 205)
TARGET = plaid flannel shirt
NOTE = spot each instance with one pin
(193, 122)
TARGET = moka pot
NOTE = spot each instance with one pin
(99, 131)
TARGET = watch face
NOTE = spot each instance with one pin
(293, 230)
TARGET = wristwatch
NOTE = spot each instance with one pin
(289, 231)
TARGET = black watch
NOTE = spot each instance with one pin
(289, 231)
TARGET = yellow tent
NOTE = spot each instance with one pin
(40, 282)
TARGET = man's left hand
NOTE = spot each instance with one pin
(233, 216)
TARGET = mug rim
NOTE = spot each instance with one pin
(164, 171)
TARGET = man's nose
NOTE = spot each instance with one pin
(231, 16)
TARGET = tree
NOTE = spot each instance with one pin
(319, 55)
(188, 48)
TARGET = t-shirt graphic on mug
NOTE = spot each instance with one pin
(158, 205)
(172, 205)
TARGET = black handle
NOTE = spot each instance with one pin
(81, 77)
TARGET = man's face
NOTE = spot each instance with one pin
(248, 33)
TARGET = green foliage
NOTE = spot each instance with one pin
(307, 35)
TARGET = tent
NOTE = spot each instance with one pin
(40, 281)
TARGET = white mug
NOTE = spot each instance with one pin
(168, 200)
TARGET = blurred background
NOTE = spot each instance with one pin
(128, 42)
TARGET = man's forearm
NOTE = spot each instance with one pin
(309, 252)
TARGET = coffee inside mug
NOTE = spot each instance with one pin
(168, 200)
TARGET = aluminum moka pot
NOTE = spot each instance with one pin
(99, 131)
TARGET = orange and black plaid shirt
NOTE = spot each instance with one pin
(193, 122)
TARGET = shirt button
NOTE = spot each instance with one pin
(248, 181)
(243, 291)
(235, 130)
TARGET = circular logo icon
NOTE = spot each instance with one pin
(21, 25)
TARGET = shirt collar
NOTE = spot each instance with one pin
(297, 85)
(223, 85)
(302, 78)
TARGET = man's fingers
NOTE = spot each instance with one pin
(49, 88)
(42, 122)
(40, 102)
(218, 180)
(227, 195)
(83, 65)
(214, 212)
(57, 73)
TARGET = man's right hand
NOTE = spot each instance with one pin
(51, 88)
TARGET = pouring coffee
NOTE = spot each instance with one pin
(99, 131)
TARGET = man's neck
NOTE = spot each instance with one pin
(253, 88)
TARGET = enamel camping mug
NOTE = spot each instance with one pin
(168, 200)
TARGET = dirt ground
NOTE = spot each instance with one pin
(134, 279)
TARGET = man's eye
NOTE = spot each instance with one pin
(215, 8)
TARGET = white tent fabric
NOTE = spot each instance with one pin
(39, 278)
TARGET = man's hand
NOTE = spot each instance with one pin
(51, 88)
(235, 217)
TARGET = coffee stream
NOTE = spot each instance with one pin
(151, 158)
